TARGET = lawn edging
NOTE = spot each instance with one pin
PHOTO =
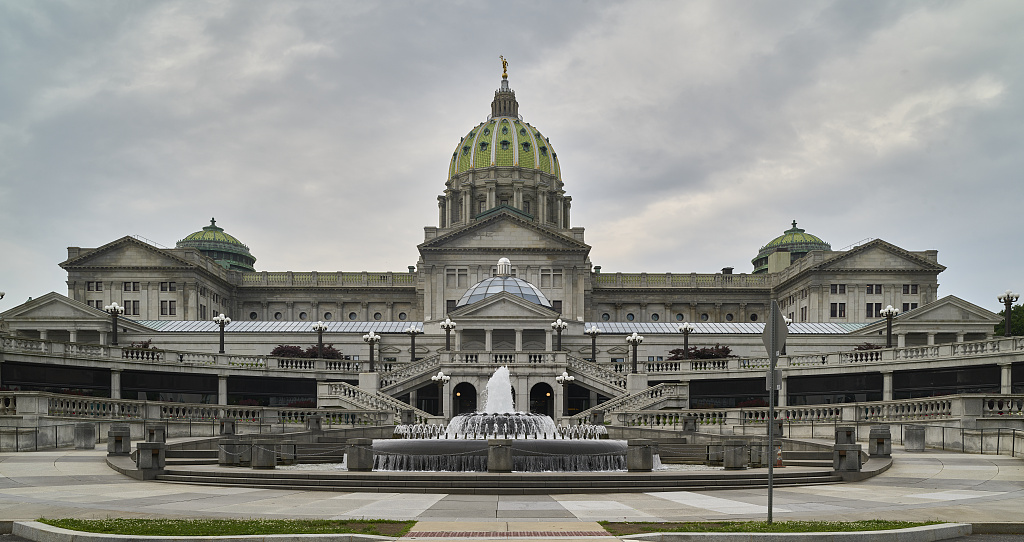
(41, 532)
(927, 533)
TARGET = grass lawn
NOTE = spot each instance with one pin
(227, 527)
(624, 528)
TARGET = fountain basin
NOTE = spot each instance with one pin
(470, 455)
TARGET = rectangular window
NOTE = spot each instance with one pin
(803, 314)
(906, 288)
(842, 310)
(550, 278)
(838, 289)
(873, 309)
(99, 286)
(526, 207)
(909, 306)
(449, 305)
(135, 287)
(913, 288)
(163, 286)
(202, 312)
(874, 289)
(127, 286)
(135, 307)
(457, 278)
(172, 286)
(163, 308)
(171, 311)
(556, 305)
(833, 310)
(88, 286)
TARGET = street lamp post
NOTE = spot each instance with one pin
(441, 380)
(686, 329)
(413, 331)
(320, 328)
(787, 321)
(448, 326)
(113, 309)
(889, 313)
(221, 321)
(371, 339)
(559, 326)
(2, 294)
(1007, 299)
(593, 332)
(634, 340)
(563, 380)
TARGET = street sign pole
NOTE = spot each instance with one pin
(774, 338)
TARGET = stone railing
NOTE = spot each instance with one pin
(506, 358)
(660, 419)
(813, 413)
(329, 279)
(676, 280)
(907, 409)
(373, 401)
(391, 378)
(596, 372)
(90, 407)
(637, 401)
(994, 407)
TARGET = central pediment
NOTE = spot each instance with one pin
(505, 306)
(504, 232)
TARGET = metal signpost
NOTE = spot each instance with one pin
(774, 337)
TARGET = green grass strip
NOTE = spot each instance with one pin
(229, 527)
(630, 527)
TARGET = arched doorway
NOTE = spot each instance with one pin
(542, 399)
(463, 399)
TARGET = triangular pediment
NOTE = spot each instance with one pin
(504, 232)
(58, 311)
(879, 255)
(504, 305)
(950, 312)
(126, 252)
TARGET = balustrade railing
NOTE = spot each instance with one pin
(907, 409)
(660, 419)
(639, 400)
(806, 414)
(597, 372)
(373, 401)
(408, 371)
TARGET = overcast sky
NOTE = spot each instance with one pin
(689, 133)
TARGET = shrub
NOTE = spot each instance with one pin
(330, 352)
(714, 352)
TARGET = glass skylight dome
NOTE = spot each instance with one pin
(504, 283)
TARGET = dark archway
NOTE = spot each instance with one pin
(542, 399)
(463, 399)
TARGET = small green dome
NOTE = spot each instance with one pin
(226, 250)
(795, 240)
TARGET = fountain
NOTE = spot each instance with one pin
(538, 445)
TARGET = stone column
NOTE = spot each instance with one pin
(103, 337)
(1006, 379)
(115, 383)
(519, 340)
(559, 403)
(73, 335)
(548, 343)
(222, 390)
(783, 391)
(887, 385)
(931, 339)
(446, 399)
(901, 340)
(488, 339)
(42, 334)
(960, 337)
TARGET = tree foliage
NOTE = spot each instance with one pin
(287, 351)
(1016, 321)
(714, 352)
(330, 352)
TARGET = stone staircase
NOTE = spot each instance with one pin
(647, 399)
(355, 398)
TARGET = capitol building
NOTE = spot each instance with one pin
(503, 262)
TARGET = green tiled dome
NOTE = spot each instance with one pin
(795, 240)
(226, 250)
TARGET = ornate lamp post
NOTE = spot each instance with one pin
(1007, 298)
(788, 321)
(635, 341)
(686, 329)
(559, 326)
(441, 380)
(448, 326)
(2, 294)
(413, 331)
(221, 321)
(113, 309)
(371, 339)
(889, 313)
(563, 380)
(593, 332)
(320, 328)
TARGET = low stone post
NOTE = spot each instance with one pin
(156, 433)
(151, 455)
(779, 425)
(715, 452)
(264, 454)
(597, 417)
(913, 438)
(315, 424)
(690, 423)
(846, 458)
(499, 455)
(408, 416)
(287, 453)
(880, 441)
(360, 454)
(227, 427)
(846, 434)
(85, 436)
(735, 455)
(228, 452)
(119, 440)
(639, 455)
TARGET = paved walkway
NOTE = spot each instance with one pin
(921, 486)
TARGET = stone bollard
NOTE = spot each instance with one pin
(846, 457)
(408, 416)
(287, 453)
(119, 440)
(85, 436)
(315, 424)
(597, 417)
(880, 441)
(244, 450)
(779, 425)
(690, 423)
(735, 455)
(360, 454)
(639, 455)
(499, 455)
(156, 433)
(229, 452)
(846, 434)
(264, 454)
(151, 455)
(913, 438)
(227, 427)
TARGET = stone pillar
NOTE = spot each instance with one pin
(315, 424)
(115, 383)
(85, 436)
(488, 344)
(151, 456)
(156, 433)
(736, 455)
(499, 455)
(880, 441)
(887, 385)
(1006, 379)
(549, 344)
(264, 454)
(446, 400)
(360, 454)
(846, 434)
(636, 382)
(73, 335)
(783, 391)
(42, 334)
(639, 455)
(119, 440)
(846, 458)
(519, 340)
(369, 382)
(228, 453)
(222, 389)
(901, 340)
(227, 427)
(913, 438)
(103, 337)
(960, 337)
(931, 339)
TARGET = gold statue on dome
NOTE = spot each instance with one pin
(504, 67)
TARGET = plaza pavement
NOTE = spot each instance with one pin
(919, 486)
